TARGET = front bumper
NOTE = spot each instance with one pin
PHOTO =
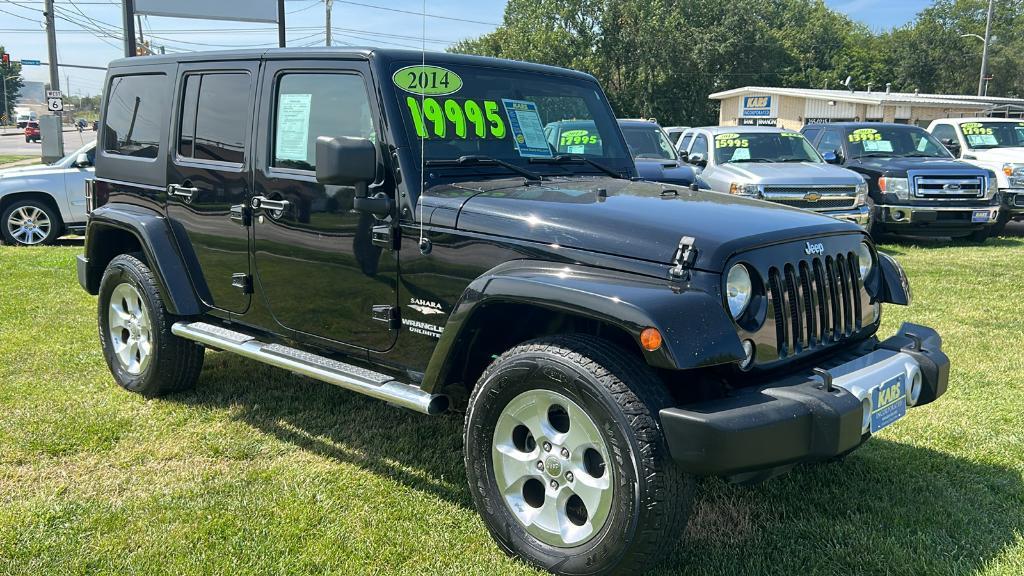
(761, 431)
(936, 219)
(860, 215)
(1013, 202)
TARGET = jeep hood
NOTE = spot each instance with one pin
(790, 173)
(632, 219)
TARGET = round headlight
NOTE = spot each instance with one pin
(738, 290)
(865, 260)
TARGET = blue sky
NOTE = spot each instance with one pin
(86, 28)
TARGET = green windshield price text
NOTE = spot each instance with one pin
(451, 119)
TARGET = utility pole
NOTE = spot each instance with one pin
(984, 53)
(142, 41)
(280, 23)
(128, 21)
(51, 44)
(329, 3)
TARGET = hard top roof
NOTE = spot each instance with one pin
(348, 52)
(748, 129)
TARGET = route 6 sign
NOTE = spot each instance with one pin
(54, 102)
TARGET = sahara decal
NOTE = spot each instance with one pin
(425, 307)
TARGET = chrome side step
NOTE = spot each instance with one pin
(354, 378)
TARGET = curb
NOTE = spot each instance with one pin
(26, 162)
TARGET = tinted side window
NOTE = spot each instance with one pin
(187, 130)
(943, 132)
(831, 141)
(312, 105)
(811, 133)
(685, 142)
(700, 146)
(136, 107)
(221, 122)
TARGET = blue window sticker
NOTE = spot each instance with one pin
(527, 129)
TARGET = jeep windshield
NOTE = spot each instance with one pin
(894, 142)
(988, 135)
(738, 147)
(545, 123)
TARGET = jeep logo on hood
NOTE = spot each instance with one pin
(817, 248)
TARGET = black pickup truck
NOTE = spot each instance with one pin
(397, 224)
(915, 186)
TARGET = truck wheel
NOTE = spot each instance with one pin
(31, 223)
(566, 460)
(980, 236)
(135, 333)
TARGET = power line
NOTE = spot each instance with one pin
(438, 16)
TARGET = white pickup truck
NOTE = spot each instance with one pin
(993, 143)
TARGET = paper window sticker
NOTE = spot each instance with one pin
(877, 146)
(293, 127)
(527, 128)
(982, 140)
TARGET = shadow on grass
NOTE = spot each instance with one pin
(887, 508)
(891, 245)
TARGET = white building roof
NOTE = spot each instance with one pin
(874, 98)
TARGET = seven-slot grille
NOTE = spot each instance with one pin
(829, 197)
(816, 302)
(952, 187)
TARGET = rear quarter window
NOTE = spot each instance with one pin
(135, 115)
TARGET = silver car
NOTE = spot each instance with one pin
(777, 165)
(41, 203)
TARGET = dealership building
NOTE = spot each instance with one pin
(794, 107)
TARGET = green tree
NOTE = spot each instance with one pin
(12, 82)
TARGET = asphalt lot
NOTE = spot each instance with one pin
(16, 145)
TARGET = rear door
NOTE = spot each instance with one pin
(209, 178)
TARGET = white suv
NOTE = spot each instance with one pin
(993, 143)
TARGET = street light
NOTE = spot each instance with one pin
(973, 36)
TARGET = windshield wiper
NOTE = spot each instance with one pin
(876, 155)
(568, 158)
(478, 159)
(737, 161)
(919, 155)
(795, 160)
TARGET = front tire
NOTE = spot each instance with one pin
(31, 223)
(566, 460)
(135, 333)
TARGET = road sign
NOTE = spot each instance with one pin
(29, 62)
(53, 94)
(55, 104)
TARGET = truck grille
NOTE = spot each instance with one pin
(828, 197)
(948, 187)
(815, 302)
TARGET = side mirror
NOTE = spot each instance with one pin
(82, 161)
(952, 145)
(684, 156)
(697, 159)
(346, 161)
(831, 157)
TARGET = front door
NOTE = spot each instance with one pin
(209, 179)
(315, 263)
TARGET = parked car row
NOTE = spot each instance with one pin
(892, 179)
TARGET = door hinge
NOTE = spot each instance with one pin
(242, 281)
(241, 214)
(386, 236)
(684, 257)
(388, 313)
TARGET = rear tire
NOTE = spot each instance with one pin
(135, 333)
(31, 223)
(613, 501)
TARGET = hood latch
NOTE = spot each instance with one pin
(684, 258)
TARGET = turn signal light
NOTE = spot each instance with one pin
(881, 183)
(650, 339)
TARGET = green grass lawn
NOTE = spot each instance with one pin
(9, 158)
(261, 472)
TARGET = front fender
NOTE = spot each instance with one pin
(695, 328)
(156, 240)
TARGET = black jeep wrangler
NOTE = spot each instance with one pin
(915, 186)
(400, 227)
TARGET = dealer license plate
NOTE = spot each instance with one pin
(979, 216)
(888, 402)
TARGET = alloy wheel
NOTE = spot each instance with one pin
(29, 225)
(131, 331)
